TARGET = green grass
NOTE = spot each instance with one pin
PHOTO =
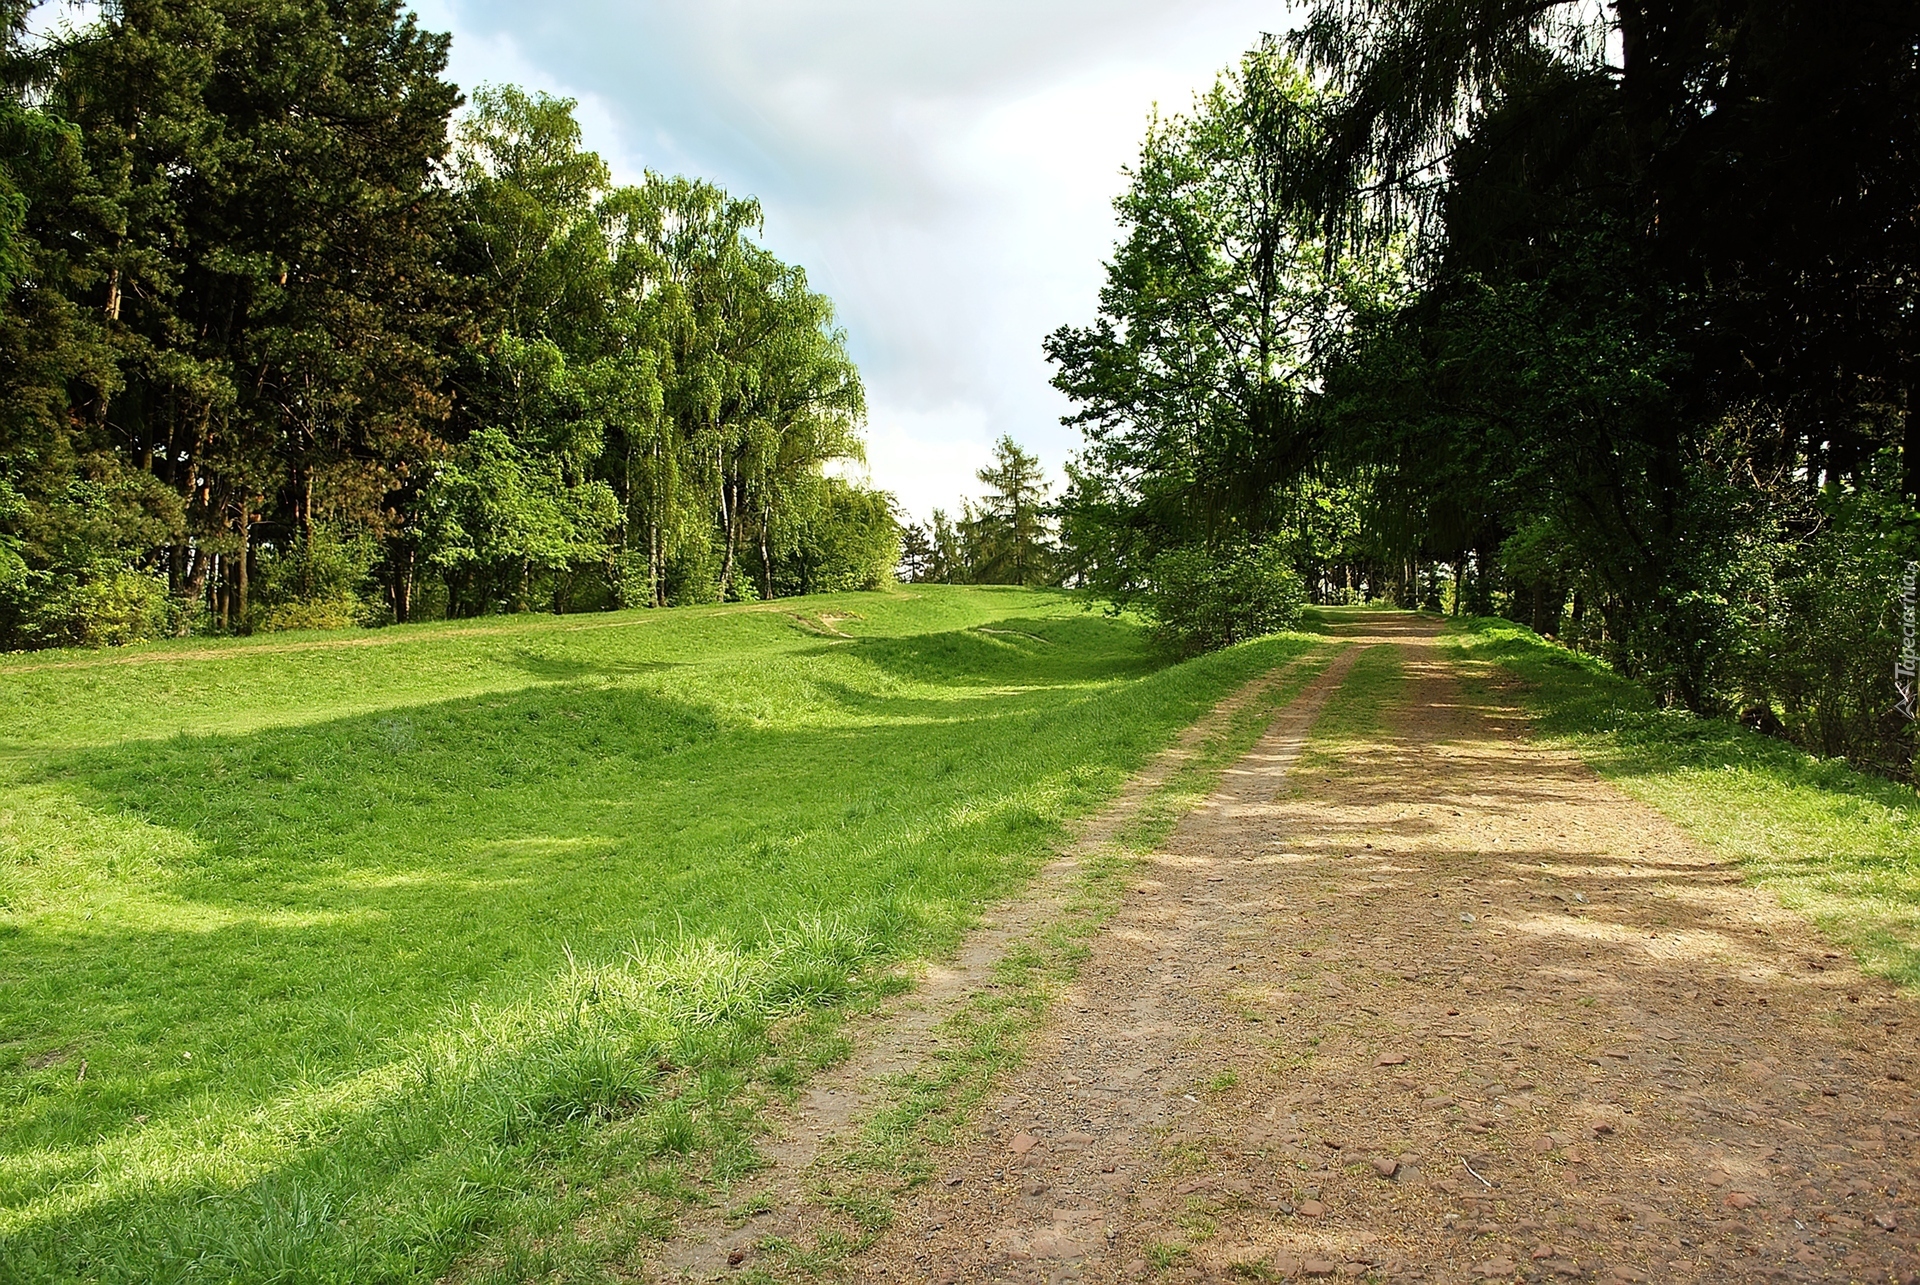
(1358, 711)
(330, 962)
(1839, 845)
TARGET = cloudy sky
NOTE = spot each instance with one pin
(944, 169)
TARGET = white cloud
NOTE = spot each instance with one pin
(943, 169)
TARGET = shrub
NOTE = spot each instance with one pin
(1201, 599)
(344, 611)
(322, 583)
(110, 608)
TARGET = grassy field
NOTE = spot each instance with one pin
(1839, 845)
(322, 955)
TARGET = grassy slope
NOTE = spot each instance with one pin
(315, 955)
(1839, 845)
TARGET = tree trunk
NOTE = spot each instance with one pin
(766, 558)
(400, 586)
(198, 562)
(180, 584)
(240, 567)
(656, 574)
(306, 533)
(730, 519)
(1482, 581)
(1910, 441)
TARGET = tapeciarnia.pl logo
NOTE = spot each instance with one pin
(1905, 665)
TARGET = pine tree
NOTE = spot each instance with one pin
(1012, 536)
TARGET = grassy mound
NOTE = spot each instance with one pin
(322, 954)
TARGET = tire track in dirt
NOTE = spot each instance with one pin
(905, 1034)
(1446, 1007)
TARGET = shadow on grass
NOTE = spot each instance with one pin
(1019, 652)
(562, 669)
(1840, 844)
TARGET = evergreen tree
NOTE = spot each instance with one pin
(916, 553)
(1010, 534)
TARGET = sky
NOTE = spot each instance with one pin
(943, 169)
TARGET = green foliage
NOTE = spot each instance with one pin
(496, 514)
(259, 282)
(1222, 305)
(66, 578)
(1605, 311)
(916, 553)
(1650, 298)
(1204, 599)
(370, 944)
(326, 582)
(846, 539)
(1008, 539)
(107, 606)
(1819, 623)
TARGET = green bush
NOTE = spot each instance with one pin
(325, 582)
(108, 609)
(1201, 600)
(342, 612)
(848, 539)
(1815, 664)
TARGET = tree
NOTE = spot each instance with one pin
(77, 518)
(1222, 307)
(1610, 308)
(916, 553)
(499, 515)
(951, 563)
(848, 540)
(641, 337)
(1009, 532)
(267, 261)
(264, 314)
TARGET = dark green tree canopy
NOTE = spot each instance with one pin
(1608, 310)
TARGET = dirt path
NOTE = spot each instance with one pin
(907, 1033)
(1439, 1005)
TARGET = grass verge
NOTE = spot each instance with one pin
(1838, 845)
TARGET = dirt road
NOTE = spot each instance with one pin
(1419, 1000)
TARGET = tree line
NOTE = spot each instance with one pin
(1005, 537)
(1600, 317)
(292, 334)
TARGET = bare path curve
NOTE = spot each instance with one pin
(1430, 1002)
